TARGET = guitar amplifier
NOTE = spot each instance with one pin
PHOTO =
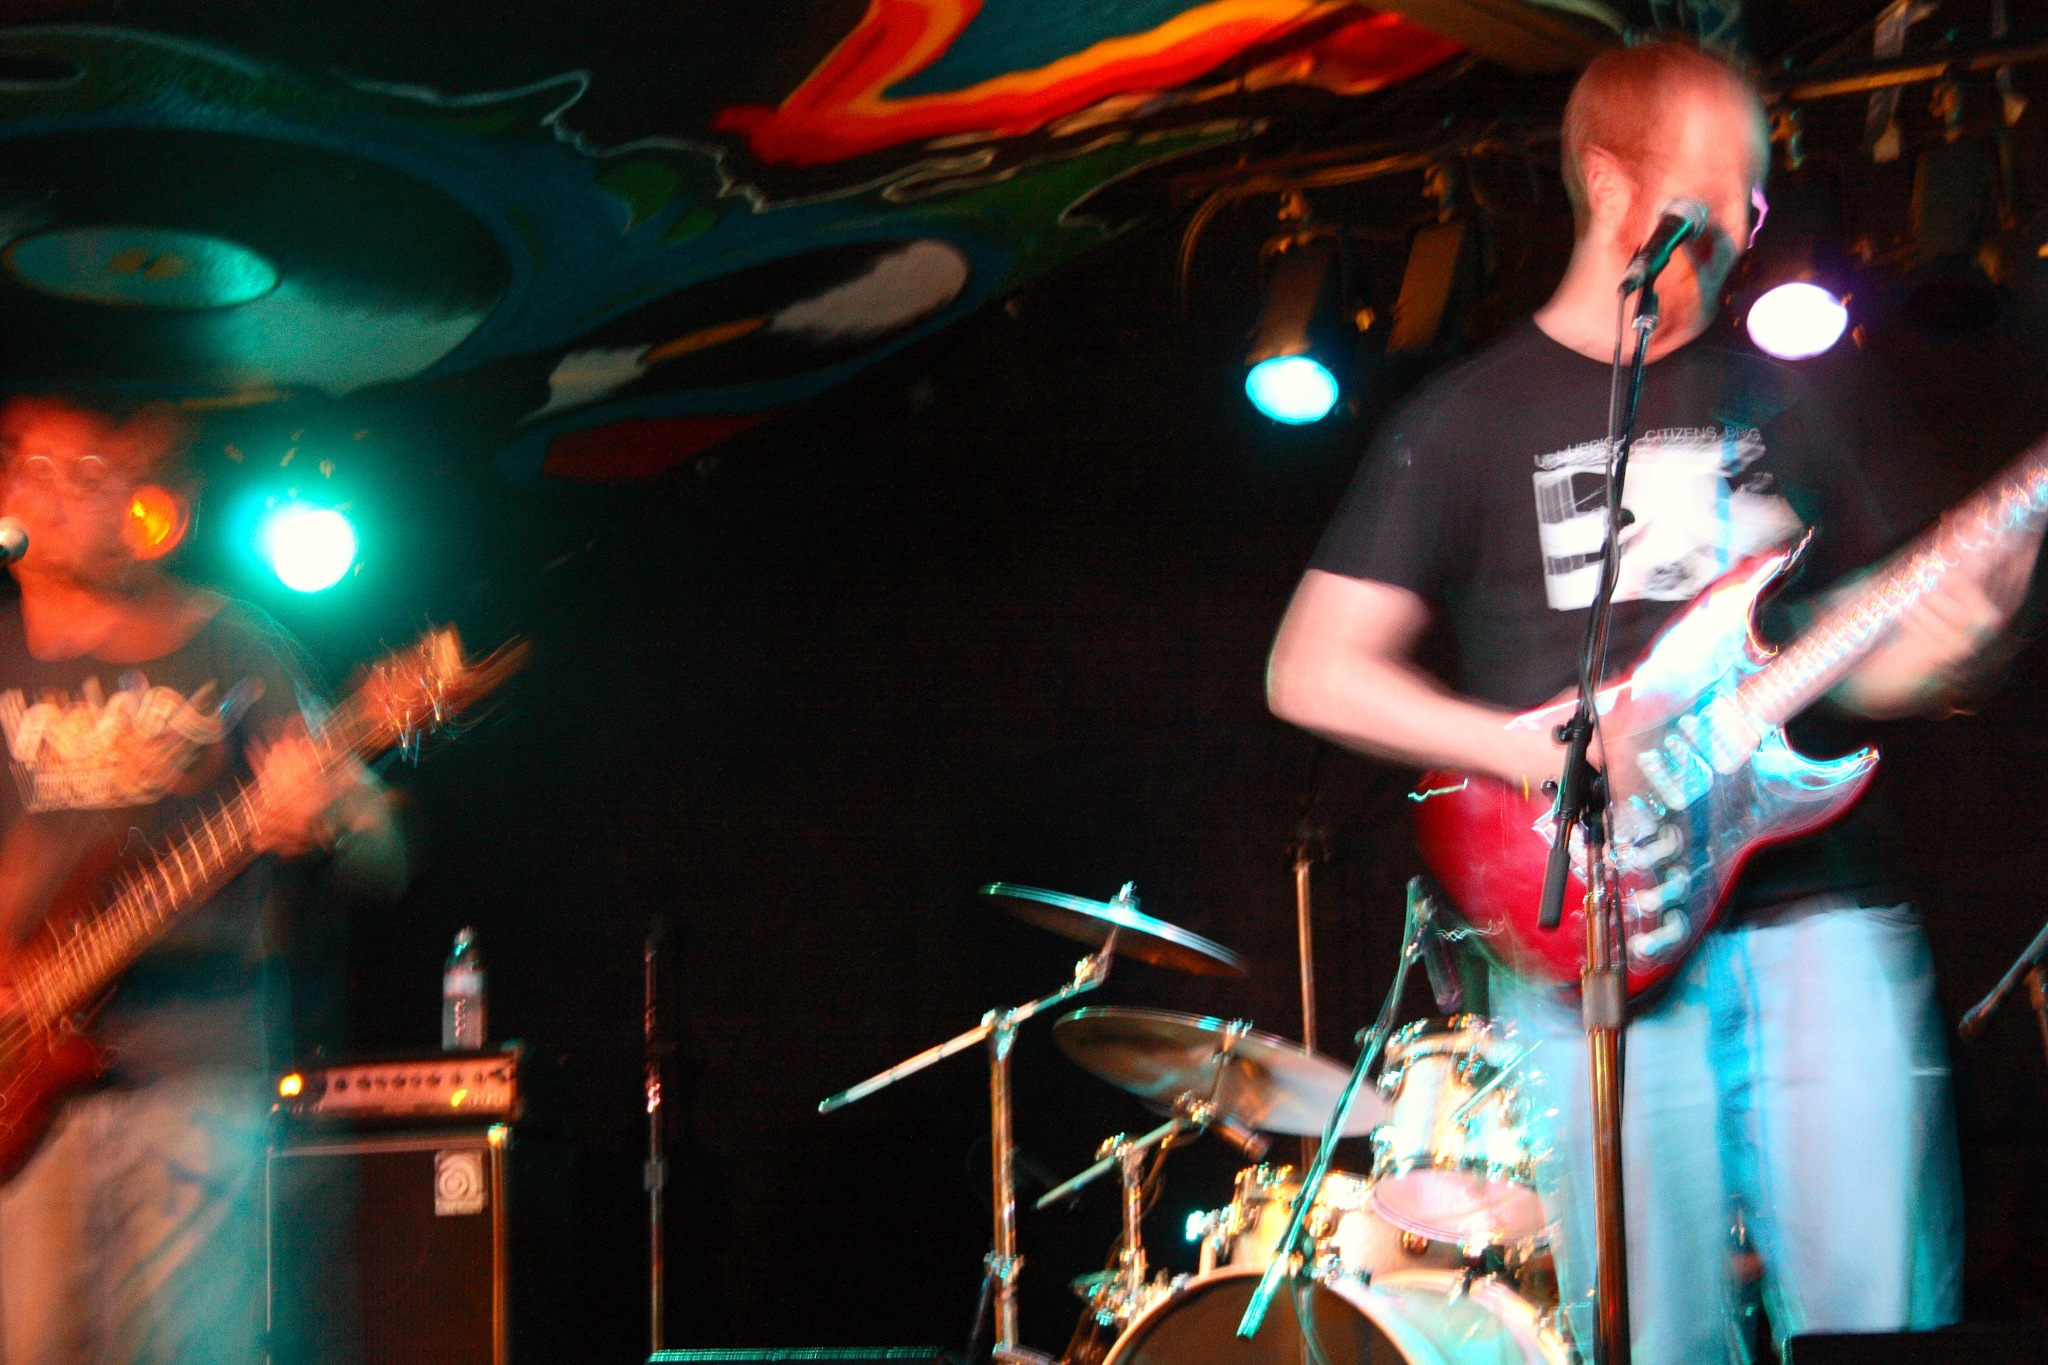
(418, 1088)
(404, 1248)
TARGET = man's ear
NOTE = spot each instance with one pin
(1610, 189)
(157, 520)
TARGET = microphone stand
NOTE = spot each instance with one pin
(1582, 806)
(1286, 1262)
(2029, 966)
(655, 1173)
(998, 1029)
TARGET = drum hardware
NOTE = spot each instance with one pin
(1119, 1295)
(1309, 846)
(1255, 1080)
(1285, 1262)
(1109, 927)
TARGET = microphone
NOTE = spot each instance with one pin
(1681, 221)
(1443, 979)
(13, 540)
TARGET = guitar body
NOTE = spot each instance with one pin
(1696, 785)
(38, 1070)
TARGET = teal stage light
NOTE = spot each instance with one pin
(1295, 389)
(309, 548)
(1304, 338)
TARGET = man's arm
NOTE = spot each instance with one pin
(1343, 668)
(1940, 644)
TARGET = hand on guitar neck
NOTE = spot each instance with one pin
(1947, 640)
(302, 797)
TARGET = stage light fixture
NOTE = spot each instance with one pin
(1793, 290)
(1302, 345)
(1295, 389)
(1795, 320)
(1956, 198)
(309, 548)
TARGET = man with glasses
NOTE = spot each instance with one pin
(1792, 1080)
(131, 701)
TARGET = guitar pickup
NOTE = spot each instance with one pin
(1667, 937)
(1635, 821)
(1676, 772)
(1671, 891)
(1723, 732)
(1661, 844)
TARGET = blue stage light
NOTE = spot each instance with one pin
(1295, 389)
(308, 548)
(1797, 320)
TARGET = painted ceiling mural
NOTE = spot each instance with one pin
(210, 222)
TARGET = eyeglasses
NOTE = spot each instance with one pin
(88, 473)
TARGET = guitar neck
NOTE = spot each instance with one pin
(2012, 505)
(77, 967)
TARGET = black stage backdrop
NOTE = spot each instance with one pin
(998, 611)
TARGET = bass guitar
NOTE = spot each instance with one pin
(69, 967)
(1699, 774)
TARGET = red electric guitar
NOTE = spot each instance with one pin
(1698, 772)
(89, 940)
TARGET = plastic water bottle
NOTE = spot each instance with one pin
(462, 996)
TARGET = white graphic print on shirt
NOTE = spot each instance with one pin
(101, 752)
(1698, 510)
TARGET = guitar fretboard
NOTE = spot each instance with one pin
(1994, 517)
(70, 971)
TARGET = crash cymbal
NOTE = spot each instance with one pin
(1138, 935)
(1267, 1082)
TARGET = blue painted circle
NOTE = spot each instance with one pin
(141, 267)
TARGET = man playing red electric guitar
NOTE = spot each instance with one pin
(1792, 1075)
(127, 700)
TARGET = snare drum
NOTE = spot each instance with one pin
(1456, 1159)
(1342, 1227)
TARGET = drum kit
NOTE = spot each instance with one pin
(1436, 1256)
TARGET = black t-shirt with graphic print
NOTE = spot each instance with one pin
(1485, 495)
(120, 756)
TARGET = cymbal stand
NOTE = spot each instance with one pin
(1286, 1261)
(2028, 966)
(1123, 1299)
(998, 1029)
(1309, 848)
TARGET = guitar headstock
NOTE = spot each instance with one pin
(413, 692)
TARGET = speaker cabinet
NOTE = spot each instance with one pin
(408, 1248)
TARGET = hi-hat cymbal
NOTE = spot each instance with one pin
(1137, 935)
(1267, 1082)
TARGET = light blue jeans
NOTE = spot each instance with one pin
(1794, 1076)
(135, 1236)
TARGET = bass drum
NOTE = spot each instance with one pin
(1407, 1317)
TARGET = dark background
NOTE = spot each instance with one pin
(997, 611)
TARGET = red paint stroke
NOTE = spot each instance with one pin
(840, 110)
(634, 451)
